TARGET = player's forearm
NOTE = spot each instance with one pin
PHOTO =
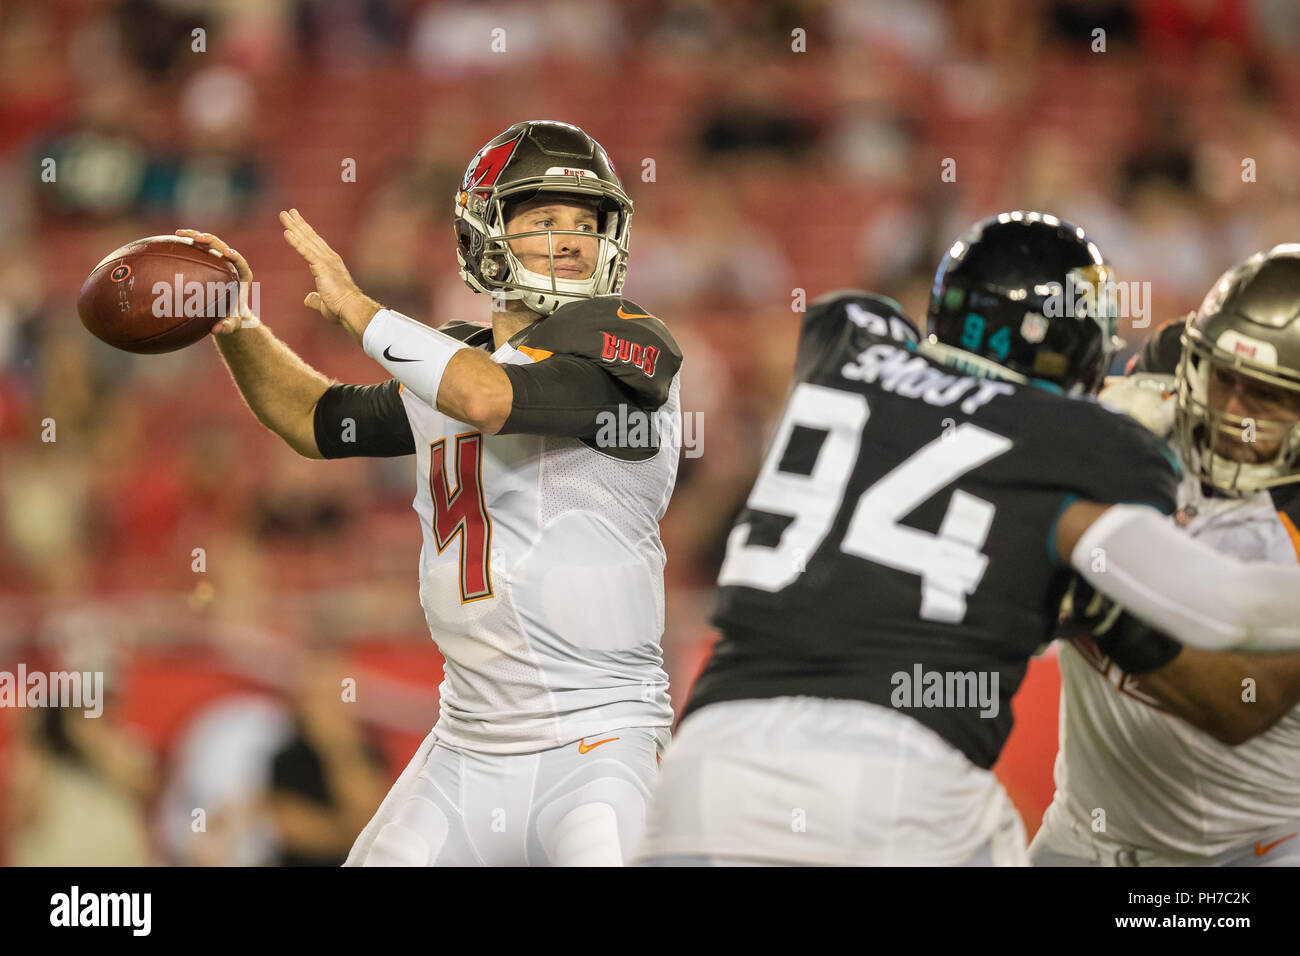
(279, 387)
(476, 390)
(1182, 586)
(462, 383)
(1232, 697)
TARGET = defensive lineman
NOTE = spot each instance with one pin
(902, 554)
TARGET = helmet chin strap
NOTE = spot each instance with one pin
(1228, 474)
(583, 287)
(548, 292)
(544, 301)
(1241, 477)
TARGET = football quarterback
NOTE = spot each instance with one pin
(541, 572)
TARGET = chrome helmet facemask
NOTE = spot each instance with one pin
(528, 161)
(1248, 324)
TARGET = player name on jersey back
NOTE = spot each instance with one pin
(902, 523)
(901, 371)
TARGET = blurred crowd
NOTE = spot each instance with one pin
(774, 151)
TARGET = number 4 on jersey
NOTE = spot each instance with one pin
(950, 563)
(463, 512)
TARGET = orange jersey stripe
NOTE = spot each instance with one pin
(536, 355)
(1291, 530)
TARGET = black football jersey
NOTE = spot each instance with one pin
(900, 531)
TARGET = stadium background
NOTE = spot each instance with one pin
(756, 171)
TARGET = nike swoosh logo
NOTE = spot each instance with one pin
(1262, 848)
(584, 747)
(394, 358)
(633, 315)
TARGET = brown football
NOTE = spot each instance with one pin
(157, 294)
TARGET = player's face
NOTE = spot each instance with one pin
(575, 256)
(1247, 397)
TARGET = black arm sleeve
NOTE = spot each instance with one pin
(615, 336)
(1136, 647)
(565, 395)
(1161, 353)
(603, 368)
(363, 421)
(1132, 644)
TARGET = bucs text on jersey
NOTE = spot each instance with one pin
(541, 572)
(900, 530)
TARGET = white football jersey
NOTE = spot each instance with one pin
(1163, 784)
(541, 577)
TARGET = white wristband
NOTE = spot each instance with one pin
(413, 353)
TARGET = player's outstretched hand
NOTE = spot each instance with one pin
(246, 318)
(337, 297)
(1149, 397)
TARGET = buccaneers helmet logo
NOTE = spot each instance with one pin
(487, 165)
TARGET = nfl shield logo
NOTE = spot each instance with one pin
(1033, 328)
